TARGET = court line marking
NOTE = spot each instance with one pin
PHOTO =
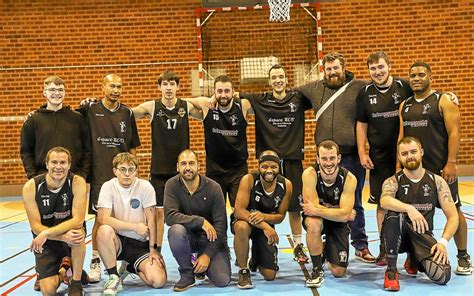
(302, 266)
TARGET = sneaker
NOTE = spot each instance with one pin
(410, 269)
(36, 286)
(464, 265)
(113, 285)
(184, 283)
(316, 279)
(365, 255)
(381, 259)
(245, 281)
(75, 288)
(299, 254)
(95, 271)
(84, 278)
(391, 282)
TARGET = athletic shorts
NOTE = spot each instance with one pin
(133, 251)
(336, 249)
(385, 162)
(158, 182)
(94, 198)
(418, 245)
(292, 169)
(48, 262)
(230, 182)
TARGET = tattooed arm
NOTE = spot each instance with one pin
(449, 209)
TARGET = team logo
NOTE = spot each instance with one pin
(160, 113)
(292, 107)
(134, 203)
(336, 193)
(343, 256)
(426, 108)
(64, 197)
(181, 112)
(396, 98)
(426, 190)
(123, 126)
(277, 201)
(234, 118)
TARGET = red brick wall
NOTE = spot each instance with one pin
(82, 41)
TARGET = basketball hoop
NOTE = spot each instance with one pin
(279, 10)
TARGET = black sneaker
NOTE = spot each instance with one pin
(464, 265)
(299, 254)
(316, 279)
(184, 283)
(245, 281)
(75, 288)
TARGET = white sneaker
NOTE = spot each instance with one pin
(94, 272)
(113, 285)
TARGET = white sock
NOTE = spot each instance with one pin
(297, 238)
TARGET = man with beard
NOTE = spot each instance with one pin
(113, 130)
(127, 231)
(169, 136)
(434, 119)
(334, 100)
(410, 198)
(279, 126)
(378, 124)
(195, 211)
(55, 203)
(225, 136)
(262, 202)
(328, 195)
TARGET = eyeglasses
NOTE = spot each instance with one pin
(53, 90)
(124, 170)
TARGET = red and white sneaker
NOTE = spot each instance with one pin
(365, 255)
(410, 269)
(391, 282)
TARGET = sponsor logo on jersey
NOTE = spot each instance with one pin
(181, 112)
(123, 126)
(134, 203)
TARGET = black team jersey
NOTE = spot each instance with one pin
(225, 135)
(379, 109)
(55, 206)
(261, 201)
(169, 136)
(329, 196)
(279, 124)
(112, 132)
(424, 121)
(422, 195)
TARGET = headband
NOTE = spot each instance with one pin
(269, 158)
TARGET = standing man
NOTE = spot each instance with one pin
(410, 197)
(127, 218)
(262, 202)
(55, 203)
(434, 119)
(195, 211)
(279, 126)
(328, 194)
(54, 124)
(113, 130)
(225, 135)
(334, 100)
(169, 136)
(378, 124)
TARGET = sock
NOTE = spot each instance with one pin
(462, 253)
(297, 238)
(317, 262)
(112, 270)
(95, 255)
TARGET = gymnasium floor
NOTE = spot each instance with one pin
(17, 264)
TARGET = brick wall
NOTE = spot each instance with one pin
(82, 41)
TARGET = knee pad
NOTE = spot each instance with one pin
(438, 273)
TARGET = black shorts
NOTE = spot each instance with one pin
(336, 249)
(418, 245)
(158, 182)
(385, 162)
(292, 169)
(133, 251)
(230, 182)
(48, 262)
(94, 198)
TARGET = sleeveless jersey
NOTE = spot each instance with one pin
(279, 124)
(260, 201)
(112, 132)
(424, 121)
(329, 195)
(170, 136)
(379, 109)
(422, 195)
(225, 135)
(54, 207)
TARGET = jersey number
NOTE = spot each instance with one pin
(373, 101)
(406, 190)
(46, 202)
(172, 123)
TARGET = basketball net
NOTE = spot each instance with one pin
(279, 10)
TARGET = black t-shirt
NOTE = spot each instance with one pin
(225, 136)
(261, 201)
(279, 124)
(379, 109)
(170, 136)
(424, 121)
(112, 132)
